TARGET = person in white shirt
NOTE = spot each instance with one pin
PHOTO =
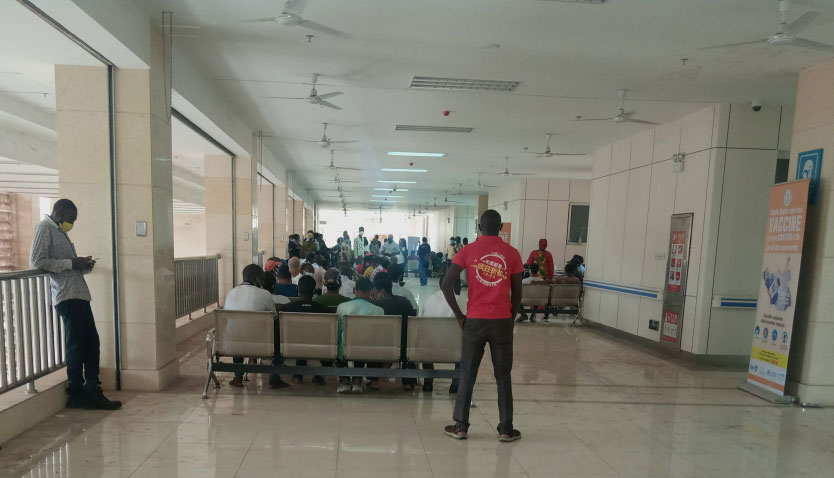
(394, 270)
(295, 269)
(435, 305)
(347, 287)
(250, 296)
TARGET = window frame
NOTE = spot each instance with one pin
(587, 226)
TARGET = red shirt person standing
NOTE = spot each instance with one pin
(494, 270)
(544, 259)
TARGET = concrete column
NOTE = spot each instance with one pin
(219, 218)
(266, 239)
(810, 374)
(298, 218)
(280, 226)
(144, 194)
(247, 214)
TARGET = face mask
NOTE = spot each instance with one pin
(66, 226)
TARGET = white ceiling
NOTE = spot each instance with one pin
(570, 59)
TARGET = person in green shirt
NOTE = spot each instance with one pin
(332, 284)
(361, 305)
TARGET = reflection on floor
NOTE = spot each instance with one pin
(587, 404)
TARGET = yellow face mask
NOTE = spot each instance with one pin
(66, 226)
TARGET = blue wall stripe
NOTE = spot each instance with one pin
(652, 294)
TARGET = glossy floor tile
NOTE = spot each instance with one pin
(588, 404)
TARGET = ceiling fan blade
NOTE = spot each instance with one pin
(594, 119)
(348, 169)
(285, 98)
(731, 45)
(814, 45)
(342, 181)
(329, 95)
(343, 142)
(321, 28)
(533, 152)
(522, 174)
(569, 154)
(632, 120)
(801, 23)
(260, 20)
(330, 105)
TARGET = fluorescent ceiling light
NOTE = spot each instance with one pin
(406, 170)
(381, 200)
(433, 129)
(461, 84)
(390, 189)
(384, 196)
(396, 182)
(416, 155)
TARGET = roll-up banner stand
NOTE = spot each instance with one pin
(768, 369)
(674, 293)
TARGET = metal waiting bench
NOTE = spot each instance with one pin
(552, 298)
(367, 338)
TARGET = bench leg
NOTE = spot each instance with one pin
(211, 377)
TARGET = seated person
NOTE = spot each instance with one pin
(250, 296)
(435, 305)
(383, 296)
(332, 284)
(295, 269)
(347, 284)
(361, 305)
(284, 289)
(307, 269)
(394, 271)
(571, 275)
(318, 275)
(534, 276)
(412, 256)
(382, 266)
(437, 264)
(306, 304)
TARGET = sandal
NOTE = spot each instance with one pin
(508, 437)
(455, 431)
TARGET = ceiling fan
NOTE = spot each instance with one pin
(332, 166)
(623, 116)
(314, 98)
(479, 185)
(338, 180)
(291, 17)
(548, 153)
(460, 191)
(507, 172)
(325, 142)
(787, 33)
(446, 200)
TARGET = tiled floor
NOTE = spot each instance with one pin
(588, 405)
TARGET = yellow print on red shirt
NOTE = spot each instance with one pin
(491, 269)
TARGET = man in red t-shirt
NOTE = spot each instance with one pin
(493, 269)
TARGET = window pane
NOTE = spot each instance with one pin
(578, 230)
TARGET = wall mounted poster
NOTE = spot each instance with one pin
(674, 295)
(809, 166)
(778, 286)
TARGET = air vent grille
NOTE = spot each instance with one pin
(461, 84)
(433, 129)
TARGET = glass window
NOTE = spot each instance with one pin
(578, 224)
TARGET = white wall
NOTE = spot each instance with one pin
(539, 208)
(440, 226)
(465, 221)
(729, 166)
(189, 235)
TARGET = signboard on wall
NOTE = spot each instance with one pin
(767, 372)
(809, 166)
(506, 231)
(674, 293)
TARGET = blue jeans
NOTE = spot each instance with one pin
(424, 273)
(82, 345)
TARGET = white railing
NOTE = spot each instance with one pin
(196, 285)
(31, 332)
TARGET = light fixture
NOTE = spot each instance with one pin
(396, 182)
(416, 155)
(384, 196)
(406, 170)
(432, 129)
(461, 84)
(381, 200)
(391, 190)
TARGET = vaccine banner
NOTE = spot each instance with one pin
(777, 287)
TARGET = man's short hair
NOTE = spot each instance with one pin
(62, 205)
(294, 262)
(253, 273)
(306, 286)
(491, 222)
(425, 240)
(571, 268)
(382, 281)
(534, 269)
(284, 272)
(332, 279)
(364, 284)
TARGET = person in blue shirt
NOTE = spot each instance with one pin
(424, 256)
(285, 287)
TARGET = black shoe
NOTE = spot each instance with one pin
(97, 401)
(76, 400)
(278, 384)
(318, 380)
(428, 387)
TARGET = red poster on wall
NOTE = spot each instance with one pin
(676, 253)
(506, 231)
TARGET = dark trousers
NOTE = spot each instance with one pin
(424, 273)
(498, 333)
(82, 345)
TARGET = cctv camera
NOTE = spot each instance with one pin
(756, 105)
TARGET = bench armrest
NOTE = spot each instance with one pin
(211, 343)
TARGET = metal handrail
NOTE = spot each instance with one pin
(31, 332)
(195, 283)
